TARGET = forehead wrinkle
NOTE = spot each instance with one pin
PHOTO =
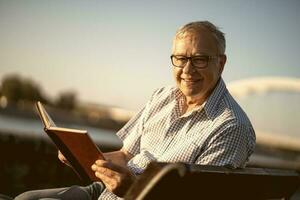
(193, 45)
(186, 39)
(200, 35)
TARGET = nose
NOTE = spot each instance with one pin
(188, 68)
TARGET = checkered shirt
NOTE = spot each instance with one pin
(216, 133)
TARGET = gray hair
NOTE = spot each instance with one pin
(200, 25)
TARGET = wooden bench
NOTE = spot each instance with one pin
(182, 181)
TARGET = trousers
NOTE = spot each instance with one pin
(90, 192)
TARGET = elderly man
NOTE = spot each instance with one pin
(196, 122)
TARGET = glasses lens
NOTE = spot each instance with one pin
(196, 61)
(179, 61)
(200, 61)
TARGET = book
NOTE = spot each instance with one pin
(76, 145)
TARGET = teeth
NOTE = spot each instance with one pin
(189, 80)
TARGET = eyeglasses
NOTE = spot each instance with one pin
(199, 62)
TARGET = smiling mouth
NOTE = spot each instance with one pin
(191, 81)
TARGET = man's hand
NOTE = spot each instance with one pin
(116, 178)
(120, 157)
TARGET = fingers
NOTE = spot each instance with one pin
(111, 183)
(103, 171)
(107, 169)
(117, 179)
(110, 165)
(109, 177)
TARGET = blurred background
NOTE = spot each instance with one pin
(95, 63)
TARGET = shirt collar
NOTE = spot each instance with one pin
(213, 100)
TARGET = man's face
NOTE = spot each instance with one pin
(197, 83)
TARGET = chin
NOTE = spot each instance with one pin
(191, 92)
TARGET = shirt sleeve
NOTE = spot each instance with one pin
(231, 148)
(131, 133)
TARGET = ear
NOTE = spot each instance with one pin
(222, 61)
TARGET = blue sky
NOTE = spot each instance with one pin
(117, 52)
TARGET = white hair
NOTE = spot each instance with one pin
(197, 26)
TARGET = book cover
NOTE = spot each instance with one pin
(76, 145)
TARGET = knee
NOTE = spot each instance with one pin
(4, 197)
(30, 195)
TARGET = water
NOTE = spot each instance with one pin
(274, 112)
(35, 127)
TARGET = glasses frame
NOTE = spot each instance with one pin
(189, 58)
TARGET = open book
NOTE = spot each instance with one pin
(75, 145)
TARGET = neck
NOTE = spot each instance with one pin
(193, 102)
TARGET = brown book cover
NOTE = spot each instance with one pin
(76, 145)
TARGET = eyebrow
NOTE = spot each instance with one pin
(192, 55)
(201, 54)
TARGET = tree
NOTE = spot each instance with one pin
(15, 88)
(12, 88)
(67, 100)
(31, 91)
